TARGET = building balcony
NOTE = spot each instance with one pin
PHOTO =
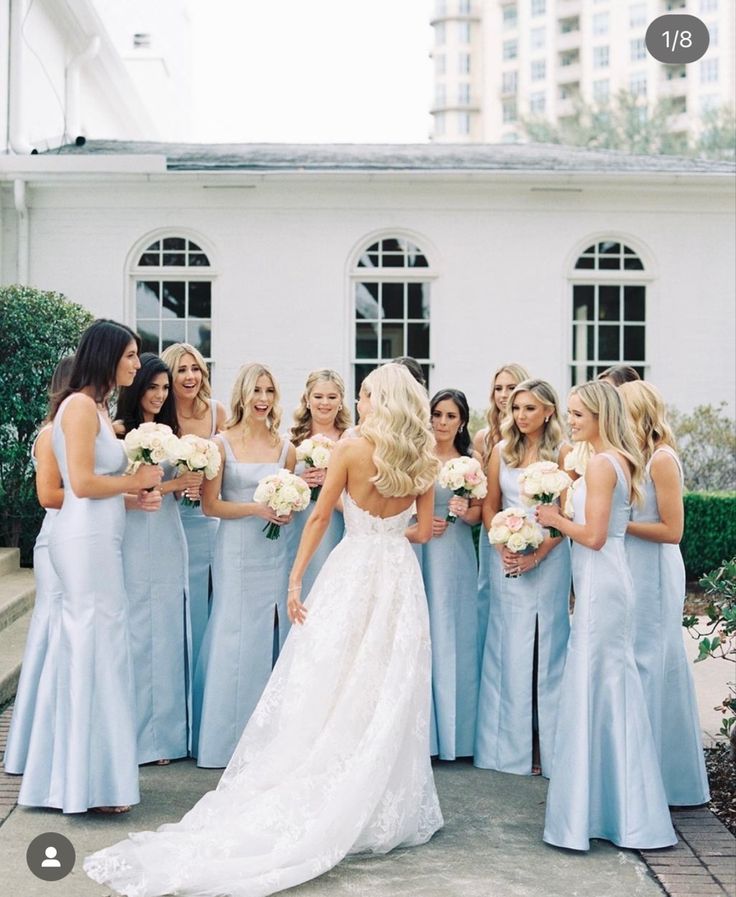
(454, 106)
(570, 40)
(565, 74)
(566, 8)
(677, 87)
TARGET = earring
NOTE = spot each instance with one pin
(461, 428)
(546, 420)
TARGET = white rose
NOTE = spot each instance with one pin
(499, 535)
(516, 542)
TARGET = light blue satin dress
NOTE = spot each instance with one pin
(333, 534)
(484, 591)
(87, 756)
(36, 694)
(250, 577)
(200, 532)
(155, 564)
(605, 780)
(538, 600)
(658, 573)
(450, 581)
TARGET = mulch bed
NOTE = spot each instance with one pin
(722, 778)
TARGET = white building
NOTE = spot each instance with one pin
(74, 72)
(499, 61)
(343, 256)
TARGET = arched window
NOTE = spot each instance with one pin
(608, 310)
(173, 295)
(391, 284)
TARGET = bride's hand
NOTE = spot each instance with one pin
(294, 607)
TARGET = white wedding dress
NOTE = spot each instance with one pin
(334, 760)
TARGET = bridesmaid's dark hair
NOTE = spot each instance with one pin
(414, 368)
(618, 374)
(462, 437)
(129, 398)
(96, 359)
(59, 380)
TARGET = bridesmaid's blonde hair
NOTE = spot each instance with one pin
(398, 426)
(302, 426)
(171, 357)
(493, 416)
(648, 416)
(603, 400)
(243, 391)
(513, 438)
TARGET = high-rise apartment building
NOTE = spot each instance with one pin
(497, 62)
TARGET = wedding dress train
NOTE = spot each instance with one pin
(334, 760)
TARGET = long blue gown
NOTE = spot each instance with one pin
(200, 532)
(605, 780)
(658, 573)
(484, 591)
(87, 755)
(537, 600)
(34, 699)
(155, 564)
(249, 577)
(332, 536)
(450, 581)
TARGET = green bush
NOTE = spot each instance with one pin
(706, 443)
(36, 330)
(710, 531)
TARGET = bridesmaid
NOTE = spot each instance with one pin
(201, 415)
(321, 410)
(618, 374)
(86, 756)
(658, 574)
(449, 570)
(605, 780)
(155, 565)
(503, 382)
(526, 637)
(34, 699)
(250, 572)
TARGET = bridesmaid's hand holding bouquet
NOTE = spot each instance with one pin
(542, 483)
(194, 454)
(146, 447)
(315, 453)
(514, 529)
(465, 477)
(283, 492)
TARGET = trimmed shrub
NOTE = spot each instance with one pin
(706, 444)
(710, 531)
(36, 329)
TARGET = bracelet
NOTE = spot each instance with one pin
(536, 560)
(294, 588)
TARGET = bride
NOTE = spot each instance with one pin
(335, 759)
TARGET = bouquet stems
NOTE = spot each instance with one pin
(272, 530)
(553, 531)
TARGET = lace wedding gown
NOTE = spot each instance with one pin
(334, 760)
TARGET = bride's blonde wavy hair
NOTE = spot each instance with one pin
(399, 428)
(302, 426)
(243, 390)
(648, 416)
(615, 430)
(513, 438)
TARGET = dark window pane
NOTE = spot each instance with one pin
(173, 331)
(174, 259)
(583, 336)
(634, 304)
(418, 300)
(392, 341)
(633, 264)
(417, 338)
(373, 248)
(173, 299)
(609, 303)
(583, 262)
(175, 243)
(634, 344)
(417, 260)
(150, 260)
(425, 370)
(391, 245)
(361, 372)
(590, 250)
(194, 248)
(608, 248)
(368, 260)
(583, 302)
(366, 301)
(149, 339)
(639, 370)
(146, 299)
(366, 340)
(610, 264)
(591, 373)
(608, 343)
(200, 299)
(198, 260)
(200, 336)
(392, 300)
(394, 260)
(154, 247)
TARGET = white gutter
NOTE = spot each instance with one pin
(72, 124)
(23, 238)
(18, 139)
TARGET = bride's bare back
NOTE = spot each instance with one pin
(360, 468)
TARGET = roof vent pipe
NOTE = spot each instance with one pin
(18, 139)
(73, 123)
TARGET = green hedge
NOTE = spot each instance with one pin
(710, 531)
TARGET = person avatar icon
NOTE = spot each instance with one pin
(50, 862)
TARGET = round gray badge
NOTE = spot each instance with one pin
(50, 856)
(677, 38)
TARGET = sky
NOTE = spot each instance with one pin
(311, 70)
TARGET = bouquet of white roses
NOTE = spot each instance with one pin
(150, 443)
(465, 477)
(283, 492)
(514, 529)
(543, 483)
(199, 455)
(315, 452)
